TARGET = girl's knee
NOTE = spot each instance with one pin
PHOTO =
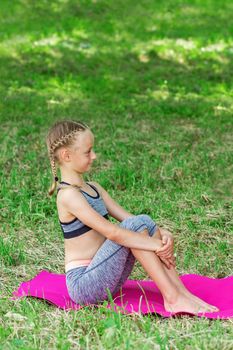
(150, 224)
(133, 223)
(145, 217)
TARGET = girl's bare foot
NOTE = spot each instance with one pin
(185, 303)
(183, 290)
(198, 300)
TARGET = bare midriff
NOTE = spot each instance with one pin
(89, 243)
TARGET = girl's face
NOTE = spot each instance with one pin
(83, 151)
(81, 154)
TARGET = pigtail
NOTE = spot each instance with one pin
(54, 171)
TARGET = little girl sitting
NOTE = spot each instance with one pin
(100, 255)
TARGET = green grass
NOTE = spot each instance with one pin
(153, 79)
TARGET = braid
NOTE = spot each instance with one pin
(64, 138)
(54, 171)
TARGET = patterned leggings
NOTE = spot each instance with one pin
(110, 267)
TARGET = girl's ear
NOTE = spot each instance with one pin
(64, 154)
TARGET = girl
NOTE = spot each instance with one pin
(100, 255)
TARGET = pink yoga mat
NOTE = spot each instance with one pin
(137, 296)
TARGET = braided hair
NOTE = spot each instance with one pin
(62, 133)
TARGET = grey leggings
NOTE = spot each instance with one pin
(109, 268)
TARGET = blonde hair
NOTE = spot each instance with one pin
(62, 133)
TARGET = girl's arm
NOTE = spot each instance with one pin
(78, 206)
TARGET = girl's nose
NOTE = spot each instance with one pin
(93, 155)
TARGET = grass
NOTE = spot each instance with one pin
(153, 80)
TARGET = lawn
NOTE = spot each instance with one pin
(153, 80)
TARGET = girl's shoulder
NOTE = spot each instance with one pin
(65, 196)
(64, 190)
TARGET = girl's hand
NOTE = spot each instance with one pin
(166, 253)
(165, 234)
(168, 244)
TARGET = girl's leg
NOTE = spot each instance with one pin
(150, 230)
(103, 273)
(174, 277)
(153, 232)
(182, 299)
(129, 264)
(90, 284)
